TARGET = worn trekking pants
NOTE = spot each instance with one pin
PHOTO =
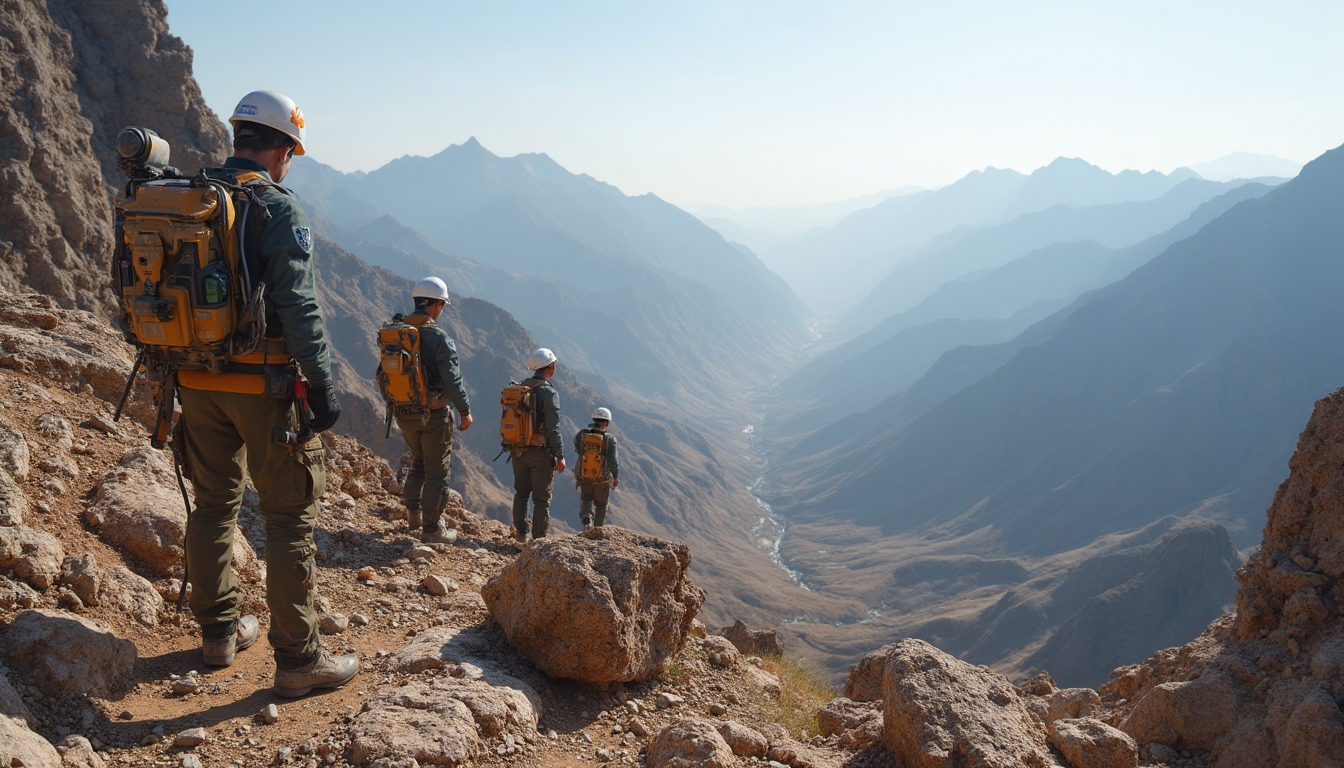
(431, 446)
(533, 475)
(225, 431)
(594, 495)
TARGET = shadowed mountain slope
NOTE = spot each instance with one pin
(1179, 389)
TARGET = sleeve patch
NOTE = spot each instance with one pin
(304, 237)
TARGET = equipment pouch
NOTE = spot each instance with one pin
(279, 382)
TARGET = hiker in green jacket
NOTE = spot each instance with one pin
(598, 470)
(534, 468)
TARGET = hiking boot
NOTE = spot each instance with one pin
(219, 652)
(414, 519)
(324, 671)
(587, 526)
(439, 535)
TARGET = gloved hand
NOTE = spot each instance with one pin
(325, 407)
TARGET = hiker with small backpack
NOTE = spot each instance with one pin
(530, 430)
(599, 469)
(419, 377)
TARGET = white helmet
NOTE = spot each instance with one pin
(274, 110)
(431, 288)
(602, 414)
(540, 359)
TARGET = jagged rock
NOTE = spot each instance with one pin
(720, 650)
(1040, 685)
(742, 740)
(1072, 703)
(139, 509)
(14, 593)
(13, 502)
(1090, 743)
(34, 555)
(355, 469)
(690, 744)
(606, 605)
(333, 623)
(68, 654)
(941, 712)
(77, 752)
(439, 585)
(1254, 689)
(82, 574)
(753, 642)
(132, 595)
(865, 678)
(14, 457)
(474, 695)
(192, 737)
(855, 724)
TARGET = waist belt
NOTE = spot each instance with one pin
(436, 403)
(275, 380)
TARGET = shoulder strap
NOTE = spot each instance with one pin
(419, 321)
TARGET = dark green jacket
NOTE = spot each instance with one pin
(611, 459)
(550, 414)
(281, 252)
(442, 372)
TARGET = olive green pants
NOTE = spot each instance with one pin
(224, 432)
(431, 446)
(533, 475)
(594, 497)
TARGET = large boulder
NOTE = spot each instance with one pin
(21, 747)
(441, 721)
(690, 744)
(940, 712)
(865, 678)
(753, 642)
(63, 653)
(606, 605)
(1090, 743)
(34, 555)
(139, 509)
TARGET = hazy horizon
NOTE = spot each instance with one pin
(759, 105)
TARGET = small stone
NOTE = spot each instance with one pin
(632, 706)
(308, 747)
(103, 423)
(125, 715)
(421, 550)
(1162, 753)
(367, 573)
(360, 620)
(82, 448)
(192, 737)
(586, 738)
(242, 729)
(283, 755)
(439, 585)
(638, 728)
(270, 714)
(552, 735)
(604, 755)
(333, 623)
(667, 700)
(185, 685)
(717, 709)
(323, 604)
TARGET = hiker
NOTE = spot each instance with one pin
(598, 471)
(539, 453)
(235, 416)
(428, 426)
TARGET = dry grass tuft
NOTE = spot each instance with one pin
(804, 689)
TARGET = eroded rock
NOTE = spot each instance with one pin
(68, 654)
(941, 712)
(34, 555)
(139, 509)
(606, 605)
(1090, 743)
(753, 642)
(742, 740)
(14, 455)
(13, 502)
(856, 723)
(690, 744)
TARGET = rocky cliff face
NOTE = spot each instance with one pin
(71, 76)
(1263, 688)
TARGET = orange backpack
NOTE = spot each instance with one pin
(592, 456)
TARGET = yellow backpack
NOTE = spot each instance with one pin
(520, 425)
(401, 370)
(180, 273)
(592, 456)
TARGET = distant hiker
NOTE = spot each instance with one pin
(598, 470)
(530, 429)
(419, 378)
(264, 408)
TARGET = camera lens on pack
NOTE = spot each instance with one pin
(142, 145)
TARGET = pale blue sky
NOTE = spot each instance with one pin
(768, 103)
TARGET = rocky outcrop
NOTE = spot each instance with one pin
(865, 678)
(1262, 688)
(940, 712)
(856, 724)
(440, 721)
(690, 744)
(139, 509)
(34, 555)
(606, 605)
(744, 741)
(753, 642)
(67, 654)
